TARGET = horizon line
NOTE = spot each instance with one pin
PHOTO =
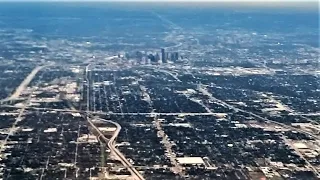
(295, 4)
(182, 1)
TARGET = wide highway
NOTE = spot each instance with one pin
(111, 145)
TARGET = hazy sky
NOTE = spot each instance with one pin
(304, 1)
(314, 4)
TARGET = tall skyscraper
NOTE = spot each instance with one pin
(176, 56)
(163, 56)
(157, 57)
(172, 57)
(139, 55)
(167, 56)
(152, 58)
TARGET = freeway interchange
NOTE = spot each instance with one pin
(111, 145)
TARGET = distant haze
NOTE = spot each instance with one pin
(297, 4)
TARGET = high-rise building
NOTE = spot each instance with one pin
(144, 60)
(152, 58)
(163, 56)
(176, 56)
(127, 56)
(157, 57)
(167, 56)
(139, 55)
(172, 57)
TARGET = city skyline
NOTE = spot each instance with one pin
(158, 91)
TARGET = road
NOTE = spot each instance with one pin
(177, 30)
(88, 87)
(167, 144)
(299, 153)
(111, 113)
(205, 92)
(111, 144)
(168, 73)
(24, 84)
(19, 118)
(305, 114)
(201, 104)
(12, 129)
